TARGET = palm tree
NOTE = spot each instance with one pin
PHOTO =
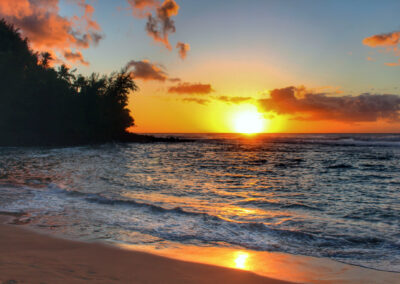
(64, 74)
(46, 57)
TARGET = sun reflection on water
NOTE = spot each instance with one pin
(241, 260)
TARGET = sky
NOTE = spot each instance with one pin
(298, 65)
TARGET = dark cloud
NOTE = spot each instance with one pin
(321, 106)
(146, 70)
(190, 88)
(234, 100)
(183, 49)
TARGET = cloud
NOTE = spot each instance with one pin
(39, 20)
(75, 57)
(175, 80)
(190, 88)
(393, 63)
(146, 70)
(196, 100)
(161, 25)
(143, 6)
(183, 49)
(159, 18)
(386, 42)
(321, 106)
(383, 40)
(234, 100)
(225, 99)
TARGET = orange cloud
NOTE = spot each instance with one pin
(39, 20)
(159, 21)
(225, 99)
(393, 63)
(159, 18)
(234, 100)
(189, 88)
(383, 40)
(183, 49)
(160, 26)
(142, 6)
(75, 57)
(387, 42)
(146, 70)
(322, 106)
(196, 100)
(175, 80)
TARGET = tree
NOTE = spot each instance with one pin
(40, 105)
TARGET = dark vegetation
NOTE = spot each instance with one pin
(42, 105)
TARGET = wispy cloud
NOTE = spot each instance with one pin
(160, 24)
(159, 18)
(196, 100)
(387, 42)
(183, 49)
(234, 100)
(191, 88)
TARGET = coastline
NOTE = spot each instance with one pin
(29, 256)
(127, 137)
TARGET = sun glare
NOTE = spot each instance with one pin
(248, 122)
(241, 260)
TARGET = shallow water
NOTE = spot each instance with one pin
(335, 196)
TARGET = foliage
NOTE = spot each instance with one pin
(42, 105)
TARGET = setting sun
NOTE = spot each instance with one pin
(248, 122)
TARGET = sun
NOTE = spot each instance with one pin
(248, 121)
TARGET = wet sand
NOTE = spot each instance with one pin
(30, 257)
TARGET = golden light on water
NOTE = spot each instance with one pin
(241, 260)
(249, 121)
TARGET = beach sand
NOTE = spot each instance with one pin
(30, 257)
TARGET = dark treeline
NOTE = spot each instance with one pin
(41, 105)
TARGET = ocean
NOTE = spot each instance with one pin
(323, 195)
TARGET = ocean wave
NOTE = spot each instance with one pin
(333, 140)
(286, 205)
(340, 166)
(302, 194)
(288, 238)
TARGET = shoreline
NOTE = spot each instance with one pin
(32, 256)
(128, 137)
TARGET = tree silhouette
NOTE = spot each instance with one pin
(45, 58)
(40, 105)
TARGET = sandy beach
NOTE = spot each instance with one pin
(30, 257)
